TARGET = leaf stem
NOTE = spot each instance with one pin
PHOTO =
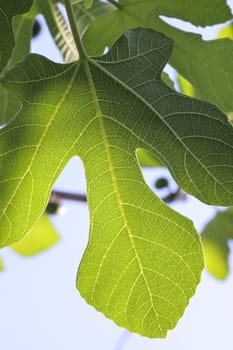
(74, 29)
(115, 3)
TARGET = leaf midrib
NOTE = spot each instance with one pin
(115, 186)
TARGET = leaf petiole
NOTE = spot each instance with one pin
(74, 29)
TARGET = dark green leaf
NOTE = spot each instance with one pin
(205, 65)
(9, 106)
(8, 9)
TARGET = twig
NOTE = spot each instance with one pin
(57, 196)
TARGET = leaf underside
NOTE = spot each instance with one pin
(205, 64)
(8, 9)
(143, 260)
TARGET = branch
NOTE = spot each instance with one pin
(57, 196)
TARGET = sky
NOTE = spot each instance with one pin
(41, 308)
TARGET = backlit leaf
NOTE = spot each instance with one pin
(205, 65)
(42, 237)
(103, 110)
(8, 9)
(215, 237)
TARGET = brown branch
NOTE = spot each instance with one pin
(57, 196)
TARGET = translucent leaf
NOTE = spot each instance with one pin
(103, 110)
(42, 237)
(22, 27)
(185, 86)
(215, 237)
(204, 64)
(8, 9)
(1, 265)
(146, 159)
(226, 32)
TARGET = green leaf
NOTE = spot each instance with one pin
(88, 3)
(199, 12)
(204, 64)
(8, 9)
(1, 265)
(133, 13)
(85, 16)
(9, 106)
(165, 77)
(185, 87)
(226, 32)
(59, 29)
(22, 27)
(215, 237)
(146, 159)
(103, 110)
(42, 237)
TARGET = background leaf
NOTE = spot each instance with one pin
(1, 265)
(204, 64)
(42, 237)
(185, 87)
(215, 237)
(8, 9)
(226, 32)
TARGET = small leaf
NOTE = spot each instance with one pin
(215, 237)
(226, 32)
(42, 237)
(1, 265)
(8, 9)
(185, 87)
(167, 80)
(205, 64)
(146, 159)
